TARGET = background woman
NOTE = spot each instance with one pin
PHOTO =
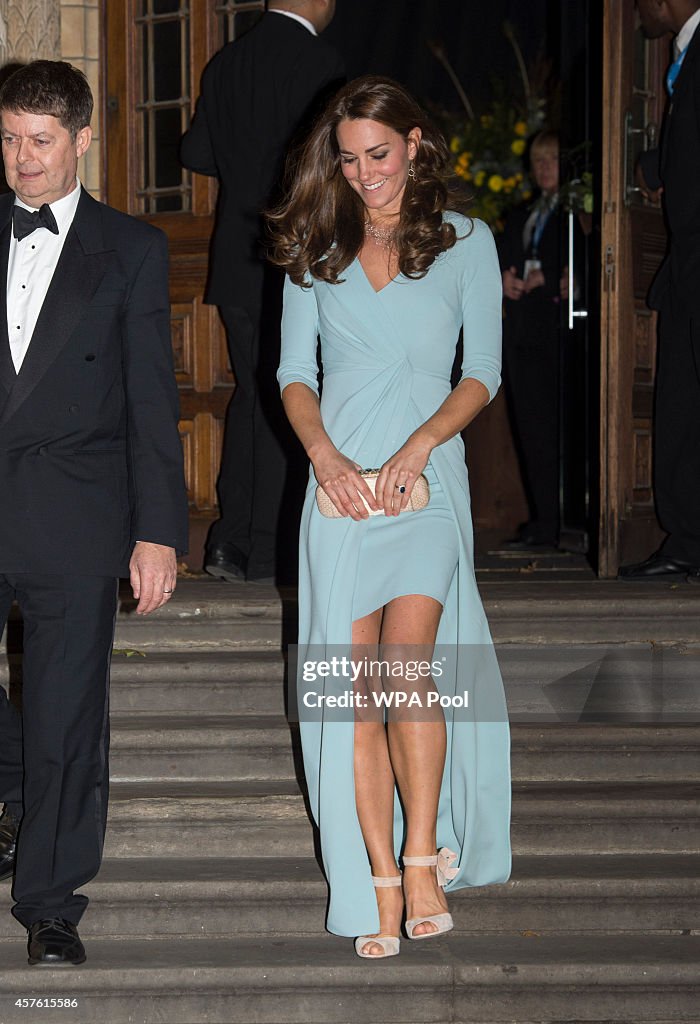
(387, 276)
(532, 255)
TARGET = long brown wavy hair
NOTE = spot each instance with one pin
(319, 227)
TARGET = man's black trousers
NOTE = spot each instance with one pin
(264, 470)
(54, 771)
(677, 431)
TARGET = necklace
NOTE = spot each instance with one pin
(384, 236)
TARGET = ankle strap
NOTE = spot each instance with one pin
(444, 859)
(420, 862)
(381, 882)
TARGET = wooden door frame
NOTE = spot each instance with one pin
(616, 302)
(627, 523)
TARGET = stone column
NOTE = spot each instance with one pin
(29, 29)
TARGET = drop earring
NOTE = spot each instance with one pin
(412, 171)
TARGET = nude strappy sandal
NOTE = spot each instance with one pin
(443, 861)
(389, 943)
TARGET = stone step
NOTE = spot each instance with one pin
(150, 682)
(230, 747)
(218, 748)
(205, 614)
(483, 978)
(591, 611)
(240, 819)
(238, 682)
(287, 896)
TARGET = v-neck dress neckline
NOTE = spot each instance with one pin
(377, 291)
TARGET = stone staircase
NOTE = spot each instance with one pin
(210, 904)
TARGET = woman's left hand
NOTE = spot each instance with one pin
(401, 470)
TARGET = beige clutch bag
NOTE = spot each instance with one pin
(420, 496)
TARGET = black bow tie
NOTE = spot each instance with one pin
(24, 222)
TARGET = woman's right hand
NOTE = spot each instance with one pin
(341, 480)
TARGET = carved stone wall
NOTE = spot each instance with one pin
(29, 29)
(59, 29)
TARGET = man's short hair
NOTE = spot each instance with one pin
(50, 87)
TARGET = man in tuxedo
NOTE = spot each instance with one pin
(676, 295)
(91, 485)
(256, 93)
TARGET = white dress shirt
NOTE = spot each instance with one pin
(297, 17)
(30, 268)
(686, 33)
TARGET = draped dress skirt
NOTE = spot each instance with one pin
(387, 359)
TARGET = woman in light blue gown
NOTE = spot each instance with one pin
(386, 275)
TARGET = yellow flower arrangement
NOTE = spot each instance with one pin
(489, 145)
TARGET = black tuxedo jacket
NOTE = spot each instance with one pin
(256, 93)
(679, 170)
(90, 458)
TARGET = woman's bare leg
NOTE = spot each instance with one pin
(417, 744)
(374, 794)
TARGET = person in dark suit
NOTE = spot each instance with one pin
(676, 295)
(534, 282)
(91, 485)
(256, 93)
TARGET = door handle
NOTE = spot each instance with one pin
(573, 313)
(649, 132)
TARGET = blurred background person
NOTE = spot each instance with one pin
(534, 283)
(256, 93)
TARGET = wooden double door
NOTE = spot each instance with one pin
(155, 51)
(633, 241)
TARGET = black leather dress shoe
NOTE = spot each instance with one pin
(657, 567)
(8, 844)
(55, 943)
(694, 576)
(226, 563)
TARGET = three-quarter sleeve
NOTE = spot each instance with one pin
(298, 363)
(481, 309)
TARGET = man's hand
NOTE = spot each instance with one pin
(153, 572)
(652, 195)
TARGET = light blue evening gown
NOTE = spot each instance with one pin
(387, 357)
